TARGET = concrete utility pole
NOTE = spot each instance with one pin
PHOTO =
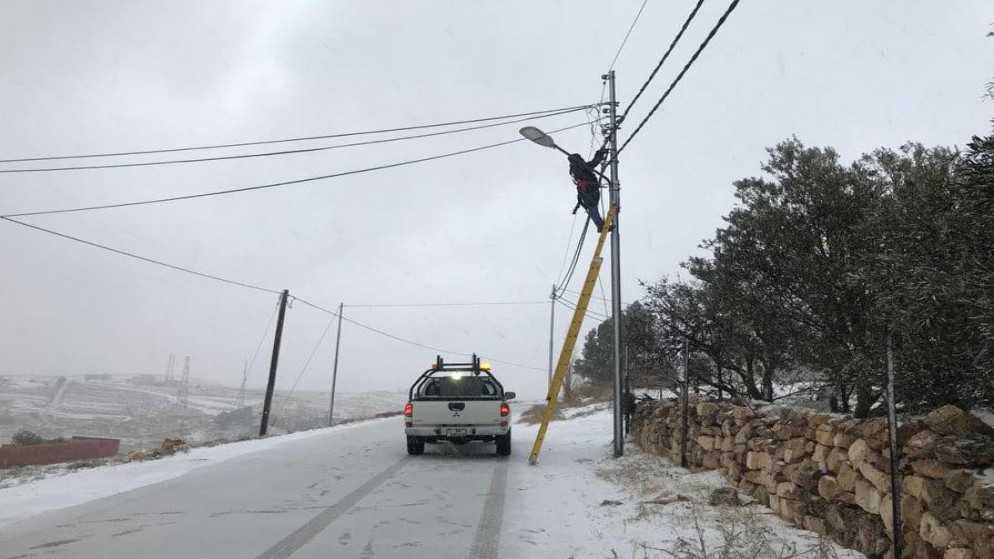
(264, 426)
(334, 368)
(619, 432)
(552, 331)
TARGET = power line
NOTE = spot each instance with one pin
(288, 152)
(411, 342)
(142, 258)
(265, 333)
(625, 41)
(576, 258)
(711, 34)
(285, 140)
(569, 241)
(303, 369)
(278, 184)
(666, 55)
(420, 305)
(575, 292)
(589, 313)
(258, 288)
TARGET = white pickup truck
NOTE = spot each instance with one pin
(459, 403)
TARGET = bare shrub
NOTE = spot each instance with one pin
(534, 414)
(742, 534)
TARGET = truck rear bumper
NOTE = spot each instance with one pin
(457, 431)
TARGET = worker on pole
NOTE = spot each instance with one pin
(588, 188)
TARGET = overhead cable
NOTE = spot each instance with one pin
(411, 342)
(285, 140)
(421, 305)
(569, 243)
(303, 369)
(625, 41)
(255, 287)
(666, 55)
(575, 292)
(576, 259)
(265, 334)
(588, 314)
(142, 258)
(700, 49)
(288, 152)
(282, 183)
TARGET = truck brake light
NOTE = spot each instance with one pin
(409, 410)
(505, 409)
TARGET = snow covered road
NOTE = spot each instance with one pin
(354, 492)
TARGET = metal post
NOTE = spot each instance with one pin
(619, 437)
(685, 404)
(626, 388)
(264, 426)
(552, 332)
(895, 476)
(334, 368)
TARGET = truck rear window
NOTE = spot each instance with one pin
(459, 387)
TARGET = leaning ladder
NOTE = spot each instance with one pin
(571, 336)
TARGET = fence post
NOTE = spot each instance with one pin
(895, 475)
(685, 405)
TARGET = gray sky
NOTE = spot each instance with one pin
(93, 76)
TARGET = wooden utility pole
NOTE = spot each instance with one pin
(264, 426)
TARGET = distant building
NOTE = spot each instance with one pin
(104, 376)
(144, 379)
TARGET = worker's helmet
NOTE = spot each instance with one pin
(575, 158)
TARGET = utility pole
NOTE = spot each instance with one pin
(552, 331)
(272, 365)
(334, 368)
(619, 433)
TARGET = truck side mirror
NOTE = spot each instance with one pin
(509, 395)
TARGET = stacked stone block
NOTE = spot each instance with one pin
(830, 474)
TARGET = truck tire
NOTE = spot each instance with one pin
(503, 444)
(415, 446)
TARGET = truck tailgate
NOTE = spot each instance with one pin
(453, 412)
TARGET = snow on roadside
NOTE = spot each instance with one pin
(581, 502)
(63, 487)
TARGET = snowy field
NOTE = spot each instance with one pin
(352, 491)
(143, 411)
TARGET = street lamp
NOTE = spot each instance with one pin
(540, 138)
(545, 140)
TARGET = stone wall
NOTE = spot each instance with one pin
(830, 474)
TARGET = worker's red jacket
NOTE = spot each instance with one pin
(587, 186)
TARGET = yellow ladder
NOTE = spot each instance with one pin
(571, 336)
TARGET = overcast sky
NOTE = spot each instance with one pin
(83, 77)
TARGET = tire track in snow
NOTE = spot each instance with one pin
(299, 538)
(486, 544)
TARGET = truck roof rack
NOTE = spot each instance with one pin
(476, 366)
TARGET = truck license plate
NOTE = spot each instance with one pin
(455, 432)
